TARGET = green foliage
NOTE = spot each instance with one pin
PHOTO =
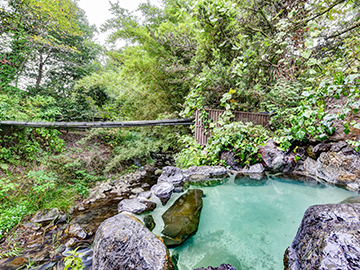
(313, 120)
(24, 194)
(242, 139)
(73, 260)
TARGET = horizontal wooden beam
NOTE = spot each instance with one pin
(170, 122)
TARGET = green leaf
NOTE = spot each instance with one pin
(357, 126)
(232, 91)
(306, 54)
(300, 134)
(323, 136)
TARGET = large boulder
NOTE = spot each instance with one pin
(275, 160)
(123, 242)
(174, 176)
(182, 218)
(328, 238)
(163, 191)
(339, 169)
(136, 205)
(199, 173)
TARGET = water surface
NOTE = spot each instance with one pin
(249, 224)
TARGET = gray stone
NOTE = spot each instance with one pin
(172, 175)
(328, 238)
(122, 242)
(182, 218)
(198, 173)
(255, 171)
(70, 242)
(336, 147)
(145, 195)
(321, 147)
(339, 169)
(136, 206)
(163, 191)
(310, 166)
(77, 231)
(62, 218)
(137, 190)
(275, 160)
(32, 225)
(347, 150)
(45, 216)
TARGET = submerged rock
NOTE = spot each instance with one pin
(339, 169)
(221, 267)
(122, 242)
(149, 222)
(136, 206)
(328, 238)
(196, 173)
(182, 218)
(354, 199)
(163, 191)
(45, 216)
(248, 181)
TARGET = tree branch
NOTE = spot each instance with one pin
(325, 11)
(343, 32)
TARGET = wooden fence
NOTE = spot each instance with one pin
(202, 136)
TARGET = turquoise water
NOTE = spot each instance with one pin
(249, 225)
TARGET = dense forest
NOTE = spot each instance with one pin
(297, 58)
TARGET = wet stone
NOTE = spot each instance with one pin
(328, 238)
(149, 222)
(249, 181)
(137, 190)
(17, 263)
(62, 218)
(145, 195)
(136, 206)
(77, 231)
(70, 242)
(145, 185)
(32, 225)
(45, 216)
(163, 191)
(182, 218)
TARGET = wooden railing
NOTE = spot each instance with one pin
(202, 136)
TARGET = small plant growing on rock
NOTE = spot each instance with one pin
(73, 261)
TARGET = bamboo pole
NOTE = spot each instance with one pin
(170, 122)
